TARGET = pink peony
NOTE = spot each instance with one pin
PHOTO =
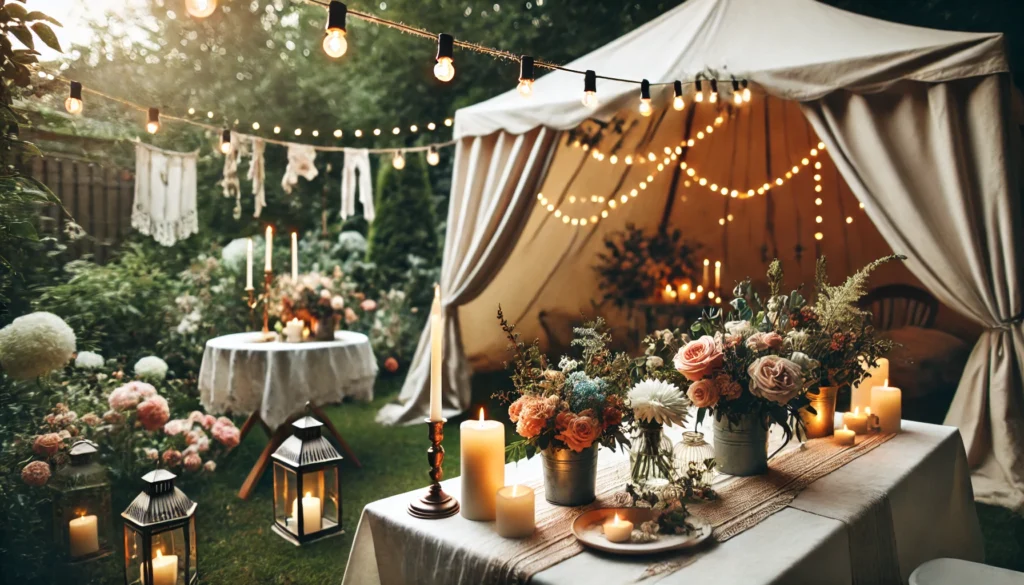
(368, 305)
(196, 417)
(728, 388)
(194, 436)
(775, 378)
(153, 413)
(172, 457)
(703, 393)
(350, 316)
(91, 419)
(226, 434)
(192, 462)
(210, 466)
(391, 365)
(112, 417)
(698, 358)
(208, 421)
(578, 432)
(129, 395)
(36, 474)
(46, 445)
(177, 426)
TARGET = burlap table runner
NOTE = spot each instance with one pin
(743, 503)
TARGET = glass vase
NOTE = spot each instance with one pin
(694, 450)
(821, 422)
(650, 456)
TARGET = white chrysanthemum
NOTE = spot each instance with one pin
(88, 360)
(743, 328)
(35, 344)
(151, 368)
(234, 252)
(657, 401)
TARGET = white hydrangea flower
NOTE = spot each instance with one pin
(657, 401)
(233, 253)
(151, 368)
(88, 360)
(35, 344)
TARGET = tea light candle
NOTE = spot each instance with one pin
(515, 511)
(856, 421)
(165, 570)
(293, 331)
(483, 466)
(887, 404)
(860, 395)
(83, 535)
(845, 436)
(618, 529)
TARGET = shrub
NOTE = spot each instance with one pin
(405, 226)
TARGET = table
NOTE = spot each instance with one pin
(272, 382)
(922, 471)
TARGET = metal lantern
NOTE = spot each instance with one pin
(307, 490)
(82, 515)
(160, 534)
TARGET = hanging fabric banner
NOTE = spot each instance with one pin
(165, 194)
(257, 176)
(300, 164)
(356, 160)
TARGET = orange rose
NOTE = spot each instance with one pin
(698, 358)
(580, 431)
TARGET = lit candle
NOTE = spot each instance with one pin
(861, 393)
(311, 513)
(704, 281)
(83, 534)
(248, 266)
(718, 275)
(515, 509)
(668, 292)
(295, 257)
(856, 421)
(293, 331)
(845, 436)
(165, 569)
(270, 245)
(436, 354)
(886, 403)
(618, 530)
(483, 466)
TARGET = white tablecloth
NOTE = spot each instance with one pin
(241, 375)
(923, 472)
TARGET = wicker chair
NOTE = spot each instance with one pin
(900, 305)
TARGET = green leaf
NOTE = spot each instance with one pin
(36, 15)
(22, 34)
(23, 229)
(46, 34)
(15, 12)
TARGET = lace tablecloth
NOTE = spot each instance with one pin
(241, 375)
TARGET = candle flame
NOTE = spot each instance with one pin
(481, 414)
(844, 428)
(856, 411)
(867, 411)
(270, 230)
(886, 384)
(706, 262)
(617, 520)
(159, 553)
(309, 494)
(718, 263)
(515, 488)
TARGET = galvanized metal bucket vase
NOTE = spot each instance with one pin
(741, 447)
(570, 477)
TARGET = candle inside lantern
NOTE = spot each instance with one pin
(311, 514)
(269, 251)
(165, 570)
(295, 257)
(83, 535)
(436, 355)
(483, 466)
(515, 511)
(857, 421)
(887, 404)
(860, 396)
(618, 529)
(248, 265)
(845, 436)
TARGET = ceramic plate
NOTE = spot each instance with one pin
(588, 529)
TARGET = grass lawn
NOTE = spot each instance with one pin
(236, 544)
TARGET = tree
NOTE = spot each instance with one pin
(405, 225)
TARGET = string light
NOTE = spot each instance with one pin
(74, 104)
(737, 98)
(444, 69)
(713, 98)
(255, 125)
(742, 194)
(153, 123)
(200, 8)
(590, 89)
(433, 157)
(677, 102)
(526, 76)
(225, 141)
(645, 98)
(335, 44)
(746, 91)
(699, 96)
(398, 161)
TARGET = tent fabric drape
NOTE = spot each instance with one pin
(494, 181)
(939, 174)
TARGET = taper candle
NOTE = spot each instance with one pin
(267, 264)
(436, 355)
(718, 275)
(704, 281)
(483, 466)
(295, 257)
(248, 265)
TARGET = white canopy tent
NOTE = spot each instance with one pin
(916, 128)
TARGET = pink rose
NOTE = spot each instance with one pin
(112, 417)
(129, 395)
(728, 388)
(732, 339)
(46, 445)
(368, 305)
(774, 340)
(578, 431)
(208, 421)
(194, 436)
(350, 316)
(177, 426)
(151, 454)
(172, 457)
(91, 419)
(756, 342)
(192, 462)
(153, 412)
(698, 358)
(196, 417)
(775, 379)
(226, 434)
(703, 393)
(391, 365)
(36, 474)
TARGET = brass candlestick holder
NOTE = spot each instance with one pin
(251, 302)
(268, 279)
(435, 503)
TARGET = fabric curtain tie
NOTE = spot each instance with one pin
(1007, 324)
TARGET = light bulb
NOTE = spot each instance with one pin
(398, 161)
(645, 107)
(225, 141)
(433, 157)
(200, 8)
(525, 87)
(590, 99)
(678, 103)
(746, 94)
(153, 121)
(73, 106)
(713, 98)
(225, 147)
(335, 43)
(152, 127)
(737, 98)
(699, 97)
(444, 70)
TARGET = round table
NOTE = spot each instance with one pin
(273, 381)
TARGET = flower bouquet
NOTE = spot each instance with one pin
(315, 299)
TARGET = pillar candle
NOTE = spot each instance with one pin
(718, 275)
(311, 513)
(248, 266)
(857, 421)
(293, 331)
(845, 436)
(618, 529)
(436, 355)
(83, 536)
(860, 395)
(165, 570)
(887, 404)
(483, 466)
(269, 251)
(515, 511)
(295, 257)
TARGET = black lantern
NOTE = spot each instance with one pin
(82, 516)
(160, 534)
(307, 490)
